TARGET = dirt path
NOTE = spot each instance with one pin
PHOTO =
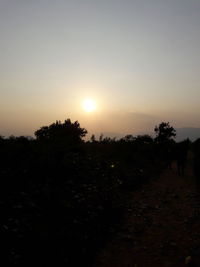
(161, 226)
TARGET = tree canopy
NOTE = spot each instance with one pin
(58, 131)
(164, 132)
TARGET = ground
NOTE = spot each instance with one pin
(161, 226)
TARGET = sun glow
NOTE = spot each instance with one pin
(89, 105)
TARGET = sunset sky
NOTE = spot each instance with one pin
(138, 60)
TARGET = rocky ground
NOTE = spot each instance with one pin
(161, 226)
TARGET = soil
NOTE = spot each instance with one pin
(161, 226)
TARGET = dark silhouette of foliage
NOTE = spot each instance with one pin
(101, 137)
(164, 132)
(52, 192)
(181, 153)
(144, 139)
(196, 151)
(128, 138)
(93, 139)
(165, 135)
(59, 132)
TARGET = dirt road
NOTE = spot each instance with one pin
(161, 226)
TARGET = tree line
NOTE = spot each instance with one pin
(61, 196)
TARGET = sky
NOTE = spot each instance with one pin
(139, 60)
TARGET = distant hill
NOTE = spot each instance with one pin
(188, 132)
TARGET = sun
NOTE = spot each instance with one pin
(89, 105)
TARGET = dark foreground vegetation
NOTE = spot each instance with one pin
(62, 196)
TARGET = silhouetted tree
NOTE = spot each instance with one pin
(128, 138)
(144, 139)
(93, 139)
(109, 140)
(61, 132)
(164, 132)
(101, 138)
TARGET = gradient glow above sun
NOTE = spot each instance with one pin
(89, 105)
